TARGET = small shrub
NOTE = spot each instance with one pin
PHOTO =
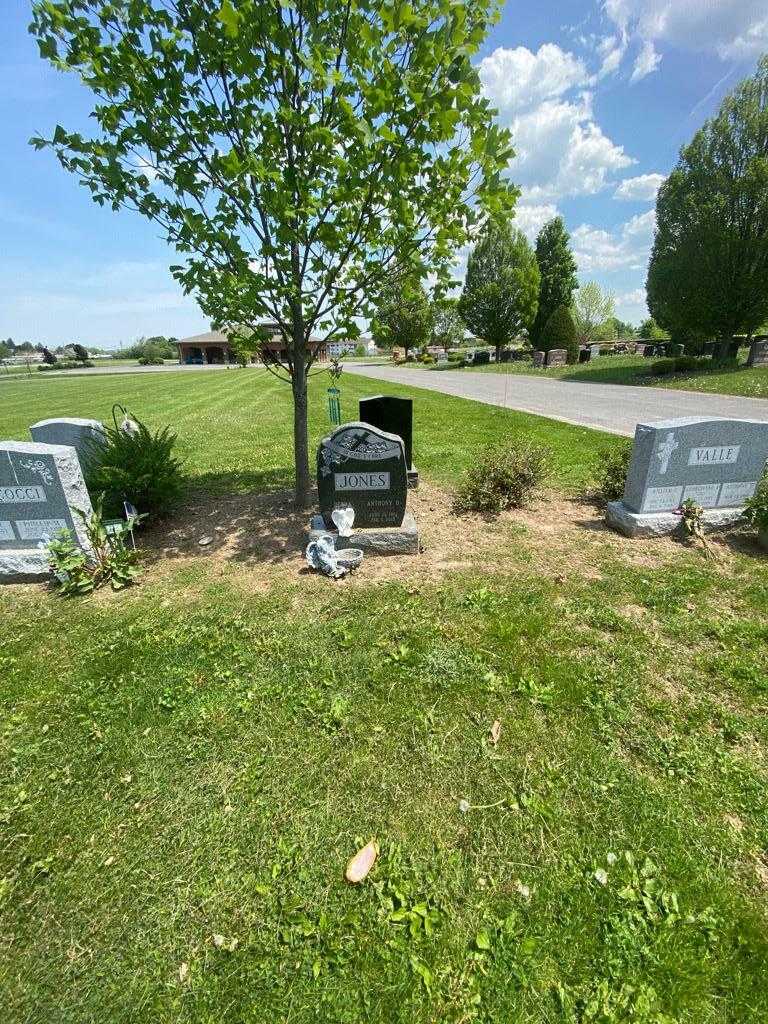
(613, 471)
(756, 508)
(138, 467)
(560, 332)
(112, 562)
(150, 360)
(505, 478)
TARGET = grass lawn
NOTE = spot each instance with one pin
(188, 765)
(635, 370)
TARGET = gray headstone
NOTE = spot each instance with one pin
(364, 467)
(715, 462)
(758, 352)
(41, 490)
(557, 357)
(81, 434)
(538, 358)
(595, 350)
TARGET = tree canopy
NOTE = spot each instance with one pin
(403, 317)
(295, 155)
(709, 265)
(447, 326)
(592, 309)
(558, 273)
(560, 332)
(501, 286)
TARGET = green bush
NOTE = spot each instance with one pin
(756, 508)
(66, 364)
(560, 332)
(138, 467)
(506, 477)
(614, 466)
(150, 360)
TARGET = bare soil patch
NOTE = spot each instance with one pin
(264, 535)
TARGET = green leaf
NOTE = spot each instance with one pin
(230, 18)
(483, 940)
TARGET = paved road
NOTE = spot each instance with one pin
(612, 407)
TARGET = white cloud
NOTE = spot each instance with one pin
(518, 80)
(542, 97)
(732, 29)
(531, 217)
(634, 298)
(627, 248)
(643, 188)
(646, 61)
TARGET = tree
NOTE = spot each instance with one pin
(79, 351)
(297, 155)
(591, 309)
(403, 317)
(651, 330)
(501, 286)
(709, 264)
(48, 357)
(558, 274)
(560, 332)
(616, 328)
(447, 325)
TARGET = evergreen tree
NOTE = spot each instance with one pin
(560, 332)
(501, 286)
(558, 274)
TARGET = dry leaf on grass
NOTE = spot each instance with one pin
(183, 971)
(495, 732)
(362, 862)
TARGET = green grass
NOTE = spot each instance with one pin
(635, 370)
(234, 426)
(200, 756)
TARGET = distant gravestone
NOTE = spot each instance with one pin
(557, 357)
(639, 349)
(709, 348)
(595, 350)
(83, 435)
(538, 359)
(585, 355)
(394, 416)
(758, 352)
(41, 491)
(360, 466)
(715, 462)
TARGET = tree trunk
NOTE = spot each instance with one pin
(300, 431)
(498, 353)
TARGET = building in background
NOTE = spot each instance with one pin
(213, 348)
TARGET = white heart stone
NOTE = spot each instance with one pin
(343, 518)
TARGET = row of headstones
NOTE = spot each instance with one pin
(43, 491)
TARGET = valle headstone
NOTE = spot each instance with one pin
(758, 352)
(362, 467)
(393, 415)
(557, 357)
(85, 436)
(715, 462)
(42, 490)
(538, 359)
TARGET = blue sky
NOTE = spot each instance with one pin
(600, 95)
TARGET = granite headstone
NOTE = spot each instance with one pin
(585, 354)
(360, 466)
(392, 415)
(758, 352)
(595, 350)
(41, 492)
(82, 434)
(715, 462)
(538, 359)
(557, 357)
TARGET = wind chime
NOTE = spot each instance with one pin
(334, 395)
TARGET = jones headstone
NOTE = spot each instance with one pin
(393, 416)
(362, 466)
(557, 357)
(41, 492)
(715, 462)
(758, 352)
(83, 435)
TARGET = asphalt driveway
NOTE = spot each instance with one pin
(612, 407)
